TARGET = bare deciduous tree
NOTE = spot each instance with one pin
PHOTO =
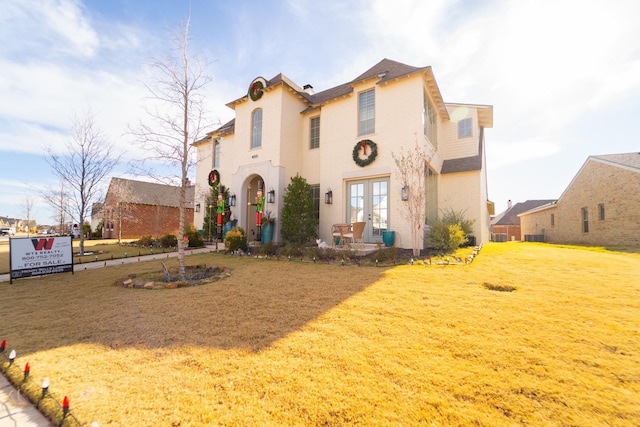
(27, 206)
(57, 200)
(82, 168)
(411, 166)
(176, 118)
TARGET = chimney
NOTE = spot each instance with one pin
(509, 204)
(309, 89)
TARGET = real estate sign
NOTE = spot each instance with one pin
(38, 256)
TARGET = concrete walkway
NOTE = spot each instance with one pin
(16, 410)
(129, 260)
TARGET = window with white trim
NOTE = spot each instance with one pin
(256, 128)
(464, 128)
(216, 153)
(366, 112)
(314, 132)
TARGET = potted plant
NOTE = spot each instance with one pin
(268, 223)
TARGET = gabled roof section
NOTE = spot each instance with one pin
(628, 161)
(511, 215)
(148, 193)
(223, 130)
(624, 160)
(387, 70)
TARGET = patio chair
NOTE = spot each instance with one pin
(356, 232)
(339, 231)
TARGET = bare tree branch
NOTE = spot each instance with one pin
(411, 166)
(176, 118)
(82, 168)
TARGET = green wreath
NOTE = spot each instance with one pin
(373, 152)
(214, 177)
(256, 90)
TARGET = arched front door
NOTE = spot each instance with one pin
(367, 200)
(255, 185)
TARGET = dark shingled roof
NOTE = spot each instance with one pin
(510, 216)
(386, 70)
(149, 193)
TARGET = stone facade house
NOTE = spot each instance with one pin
(506, 225)
(601, 205)
(143, 209)
(341, 140)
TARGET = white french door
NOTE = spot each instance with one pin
(368, 201)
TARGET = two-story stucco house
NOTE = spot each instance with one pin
(341, 141)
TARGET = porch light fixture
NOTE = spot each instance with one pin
(232, 199)
(197, 207)
(404, 193)
(271, 195)
(328, 197)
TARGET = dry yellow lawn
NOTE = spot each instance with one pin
(286, 343)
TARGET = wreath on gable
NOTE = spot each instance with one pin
(369, 150)
(256, 90)
(214, 177)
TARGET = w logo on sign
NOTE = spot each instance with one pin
(40, 244)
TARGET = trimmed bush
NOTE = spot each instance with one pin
(168, 241)
(235, 239)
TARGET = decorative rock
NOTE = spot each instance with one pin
(149, 285)
(127, 282)
(171, 285)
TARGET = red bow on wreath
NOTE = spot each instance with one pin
(363, 144)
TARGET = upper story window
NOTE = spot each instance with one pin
(256, 128)
(601, 211)
(429, 120)
(464, 128)
(314, 132)
(216, 153)
(366, 112)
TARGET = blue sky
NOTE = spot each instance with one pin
(563, 75)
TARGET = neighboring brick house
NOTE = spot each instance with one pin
(601, 205)
(143, 209)
(341, 141)
(506, 226)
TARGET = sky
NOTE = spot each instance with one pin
(563, 76)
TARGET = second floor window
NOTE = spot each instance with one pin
(464, 128)
(314, 132)
(585, 220)
(256, 129)
(366, 112)
(216, 153)
(429, 120)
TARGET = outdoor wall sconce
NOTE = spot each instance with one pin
(404, 193)
(271, 195)
(197, 207)
(232, 199)
(328, 197)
